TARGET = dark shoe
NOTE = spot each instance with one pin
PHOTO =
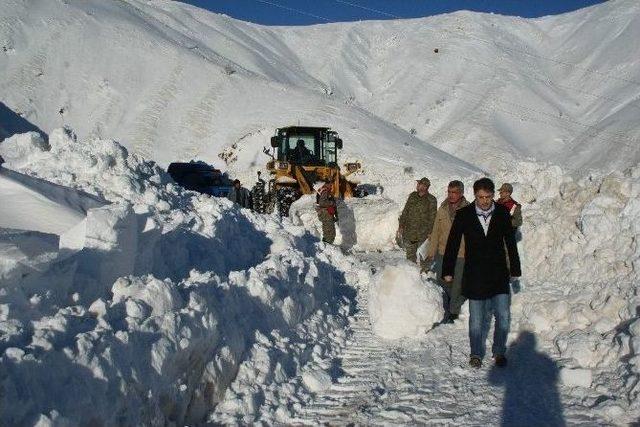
(475, 362)
(501, 361)
(453, 317)
(447, 319)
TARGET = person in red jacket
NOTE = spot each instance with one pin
(514, 208)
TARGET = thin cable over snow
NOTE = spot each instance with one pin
(293, 10)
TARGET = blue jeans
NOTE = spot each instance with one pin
(480, 313)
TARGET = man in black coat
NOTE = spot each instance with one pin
(487, 231)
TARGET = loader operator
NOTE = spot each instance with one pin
(300, 154)
(327, 212)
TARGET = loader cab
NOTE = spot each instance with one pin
(307, 146)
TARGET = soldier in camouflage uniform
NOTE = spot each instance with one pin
(417, 218)
(327, 212)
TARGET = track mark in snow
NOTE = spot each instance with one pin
(364, 359)
(146, 129)
(198, 121)
(28, 77)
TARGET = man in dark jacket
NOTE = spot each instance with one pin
(487, 231)
(240, 195)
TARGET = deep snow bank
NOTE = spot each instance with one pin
(36, 204)
(22, 252)
(165, 306)
(100, 167)
(580, 263)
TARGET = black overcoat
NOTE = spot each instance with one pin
(486, 273)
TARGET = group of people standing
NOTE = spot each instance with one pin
(472, 248)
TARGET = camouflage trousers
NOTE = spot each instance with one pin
(411, 249)
(328, 226)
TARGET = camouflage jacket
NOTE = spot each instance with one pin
(418, 216)
(325, 200)
(326, 206)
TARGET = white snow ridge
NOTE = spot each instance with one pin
(127, 300)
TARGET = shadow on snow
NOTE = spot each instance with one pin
(530, 380)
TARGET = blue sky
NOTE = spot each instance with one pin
(304, 12)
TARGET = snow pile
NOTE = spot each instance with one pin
(282, 372)
(163, 306)
(100, 167)
(363, 224)
(32, 200)
(402, 304)
(577, 229)
(24, 251)
(20, 147)
(29, 201)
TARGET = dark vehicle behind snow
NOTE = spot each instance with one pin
(201, 177)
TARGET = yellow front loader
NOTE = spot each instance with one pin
(300, 158)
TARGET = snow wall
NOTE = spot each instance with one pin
(162, 306)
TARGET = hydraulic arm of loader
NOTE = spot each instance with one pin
(305, 187)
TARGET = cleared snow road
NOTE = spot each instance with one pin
(428, 381)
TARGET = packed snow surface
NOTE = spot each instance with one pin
(125, 300)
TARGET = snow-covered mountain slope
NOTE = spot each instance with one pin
(170, 97)
(562, 88)
(174, 82)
